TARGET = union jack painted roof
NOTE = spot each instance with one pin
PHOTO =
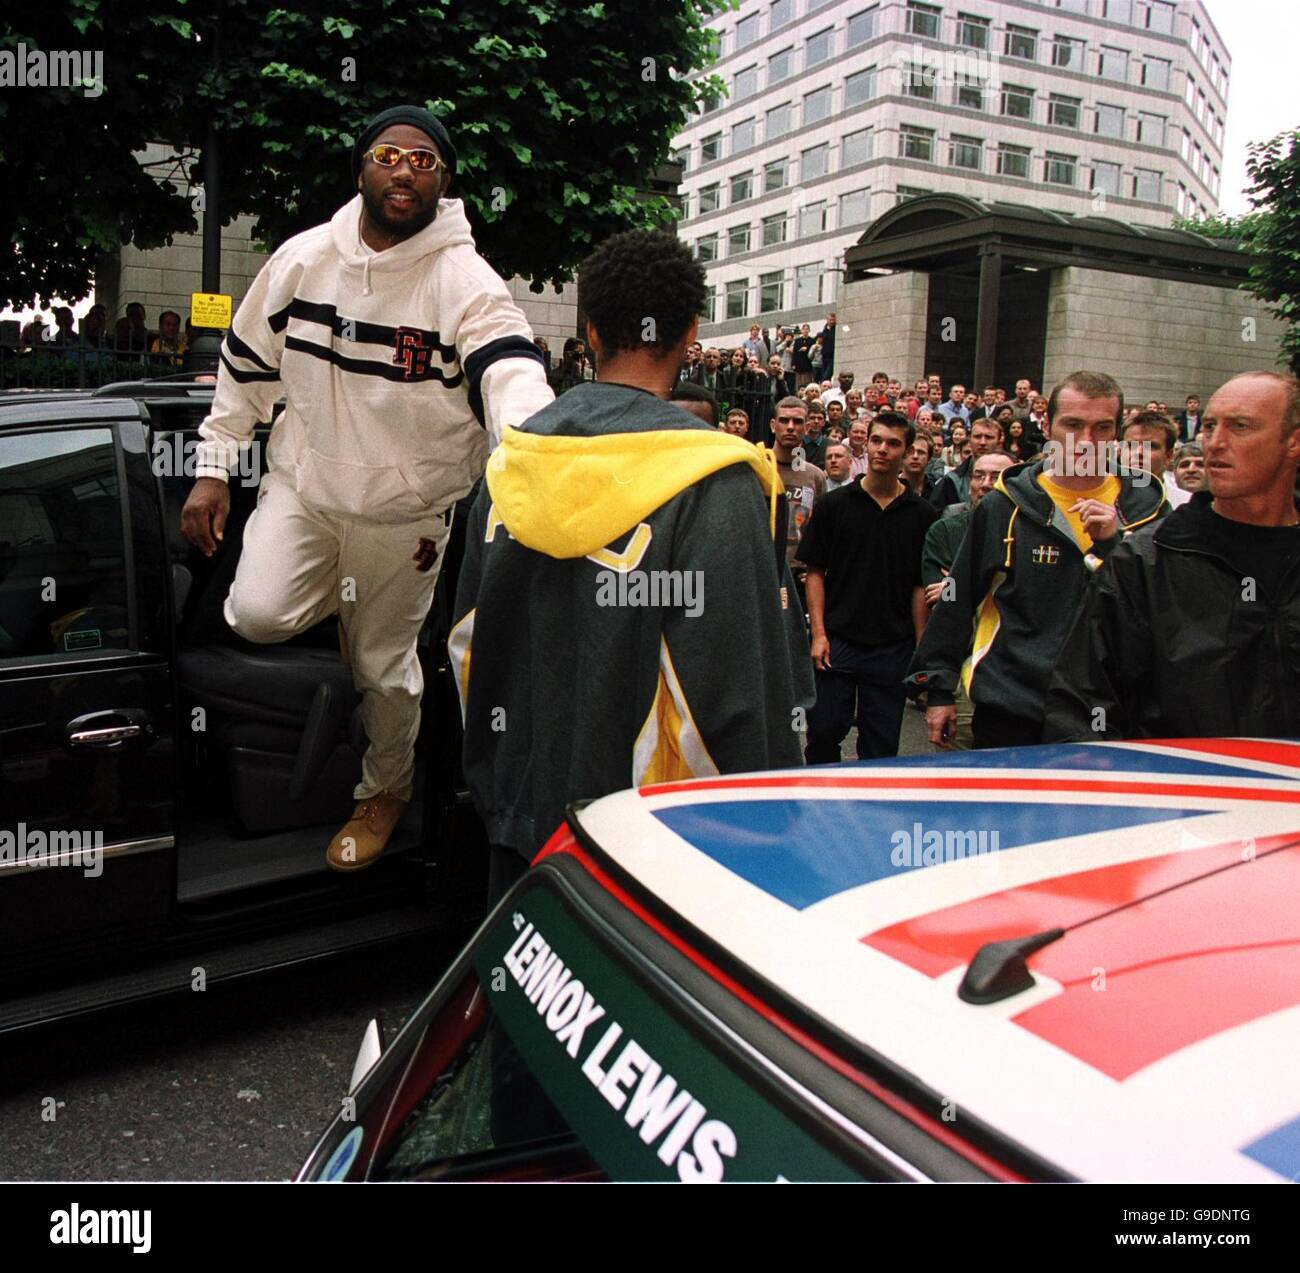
(1160, 1038)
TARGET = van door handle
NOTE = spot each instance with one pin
(108, 730)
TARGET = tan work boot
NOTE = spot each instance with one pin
(363, 836)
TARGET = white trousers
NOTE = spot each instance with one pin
(300, 565)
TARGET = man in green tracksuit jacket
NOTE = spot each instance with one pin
(624, 614)
(1019, 577)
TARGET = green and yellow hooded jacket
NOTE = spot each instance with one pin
(623, 614)
(1017, 583)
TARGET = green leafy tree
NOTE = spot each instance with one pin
(560, 111)
(1271, 233)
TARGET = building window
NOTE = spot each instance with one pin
(966, 153)
(1187, 144)
(817, 49)
(745, 84)
(746, 31)
(1058, 170)
(918, 81)
(737, 240)
(1073, 6)
(710, 198)
(1063, 112)
(774, 230)
(1119, 11)
(780, 66)
(1022, 42)
(706, 247)
(778, 122)
(923, 19)
(769, 294)
(816, 106)
(916, 143)
(1067, 53)
(742, 187)
(776, 176)
(808, 285)
(970, 92)
(781, 12)
(711, 148)
(812, 219)
(1151, 129)
(742, 136)
(1113, 64)
(711, 306)
(862, 27)
(1160, 17)
(911, 192)
(856, 148)
(1146, 185)
(973, 32)
(860, 88)
(1018, 102)
(1110, 121)
(738, 298)
(1105, 177)
(814, 162)
(853, 209)
(1013, 161)
(1155, 74)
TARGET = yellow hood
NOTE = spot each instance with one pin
(569, 496)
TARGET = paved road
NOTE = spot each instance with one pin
(234, 1084)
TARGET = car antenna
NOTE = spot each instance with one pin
(998, 971)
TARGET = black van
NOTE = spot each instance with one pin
(167, 789)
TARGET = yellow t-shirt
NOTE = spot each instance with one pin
(1107, 491)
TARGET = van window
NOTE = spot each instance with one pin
(63, 585)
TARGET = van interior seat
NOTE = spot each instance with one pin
(286, 716)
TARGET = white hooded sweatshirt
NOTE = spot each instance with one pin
(398, 368)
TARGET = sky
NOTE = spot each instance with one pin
(1263, 95)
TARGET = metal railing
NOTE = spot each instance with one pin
(79, 366)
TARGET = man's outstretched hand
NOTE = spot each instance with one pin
(203, 519)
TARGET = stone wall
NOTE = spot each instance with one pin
(163, 278)
(552, 313)
(882, 326)
(1160, 338)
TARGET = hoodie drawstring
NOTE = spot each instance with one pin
(365, 277)
(768, 459)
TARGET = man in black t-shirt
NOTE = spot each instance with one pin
(866, 605)
(1192, 627)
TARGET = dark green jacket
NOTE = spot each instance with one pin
(1019, 581)
(1170, 644)
(942, 541)
(573, 687)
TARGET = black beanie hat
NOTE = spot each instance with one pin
(417, 117)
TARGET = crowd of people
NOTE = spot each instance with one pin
(130, 336)
(908, 593)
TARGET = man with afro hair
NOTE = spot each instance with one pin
(617, 547)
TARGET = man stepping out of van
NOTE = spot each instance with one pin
(401, 359)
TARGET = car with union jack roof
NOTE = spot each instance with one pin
(1068, 962)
